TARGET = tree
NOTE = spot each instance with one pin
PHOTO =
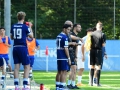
(51, 15)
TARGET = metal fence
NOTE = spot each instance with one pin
(48, 16)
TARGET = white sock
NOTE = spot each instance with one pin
(30, 74)
(63, 83)
(69, 82)
(16, 80)
(73, 83)
(30, 71)
(79, 79)
(25, 86)
(57, 83)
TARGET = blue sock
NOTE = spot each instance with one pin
(95, 80)
(15, 83)
(25, 82)
(57, 87)
(61, 87)
(3, 77)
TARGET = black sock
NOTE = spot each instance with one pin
(98, 76)
(91, 75)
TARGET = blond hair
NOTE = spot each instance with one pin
(21, 15)
(99, 24)
(88, 42)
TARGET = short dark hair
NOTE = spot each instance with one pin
(94, 28)
(66, 26)
(2, 28)
(75, 25)
(89, 29)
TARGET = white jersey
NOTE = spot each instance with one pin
(79, 53)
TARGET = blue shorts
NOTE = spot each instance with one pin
(20, 55)
(1, 62)
(62, 65)
(6, 58)
(31, 61)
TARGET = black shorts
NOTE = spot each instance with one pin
(95, 57)
(72, 58)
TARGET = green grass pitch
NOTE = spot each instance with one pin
(109, 80)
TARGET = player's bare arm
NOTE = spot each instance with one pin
(76, 38)
(7, 44)
(76, 51)
(83, 57)
(72, 43)
(38, 48)
(67, 54)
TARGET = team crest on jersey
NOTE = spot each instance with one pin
(66, 42)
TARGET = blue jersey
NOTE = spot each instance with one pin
(19, 33)
(62, 42)
(103, 51)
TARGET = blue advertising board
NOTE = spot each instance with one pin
(111, 64)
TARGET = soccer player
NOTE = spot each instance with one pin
(4, 49)
(63, 58)
(7, 44)
(97, 42)
(103, 55)
(80, 56)
(19, 33)
(73, 57)
(32, 45)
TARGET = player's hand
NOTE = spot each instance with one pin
(30, 24)
(6, 43)
(69, 62)
(74, 43)
(105, 56)
(75, 59)
(34, 50)
(81, 40)
(83, 58)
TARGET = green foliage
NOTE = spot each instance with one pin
(51, 15)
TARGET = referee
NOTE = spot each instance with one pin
(97, 42)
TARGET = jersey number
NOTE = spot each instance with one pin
(59, 43)
(17, 33)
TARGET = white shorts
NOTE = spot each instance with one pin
(80, 63)
(88, 55)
